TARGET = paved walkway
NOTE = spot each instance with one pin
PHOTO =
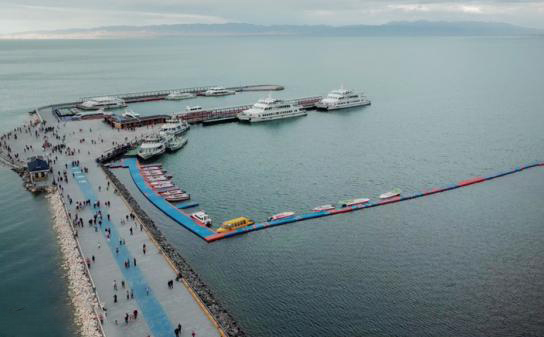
(160, 309)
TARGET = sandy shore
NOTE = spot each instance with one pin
(80, 289)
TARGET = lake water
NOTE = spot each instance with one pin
(464, 263)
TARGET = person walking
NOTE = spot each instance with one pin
(114, 298)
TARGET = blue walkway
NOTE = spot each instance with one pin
(153, 313)
(166, 207)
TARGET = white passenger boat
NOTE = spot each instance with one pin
(281, 216)
(342, 98)
(130, 114)
(218, 91)
(202, 217)
(270, 109)
(353, 202)
(177, 96)
(175, 143)
(106, 102)
(323, 208)
(151, 147)
(394, 193)
(173, 127)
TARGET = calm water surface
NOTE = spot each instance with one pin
(464, 263)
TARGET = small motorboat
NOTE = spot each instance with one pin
(281, 216)
(162, 184)
(152, 172)
(394, 193)
(323, 208)
(171, 193)
(202, 217)
(157, 178)
(353, 202)
(147, 166)
(178, 197)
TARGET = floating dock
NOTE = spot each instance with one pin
(210, 235)
(167, 208)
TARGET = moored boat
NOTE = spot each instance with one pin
(176, 96)
(327, 207)
(178, 197)
(219, 91)
(233, 224)
(353, 202)
(394, 193)
(282, 215)
(202, 217)
(342, 98)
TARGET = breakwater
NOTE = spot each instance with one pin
(225, 321)
(81, 288)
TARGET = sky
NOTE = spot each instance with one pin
(33, 15)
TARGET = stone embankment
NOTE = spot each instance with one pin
(222, 317)
(82, 295)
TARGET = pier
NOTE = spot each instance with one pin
(111, 245)
(209, 116)
(157, 95)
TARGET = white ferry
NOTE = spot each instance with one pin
(270, 109)
(173, 127)
(130, 114)
(105, 102)
(177, 96)
(218, 91)
(342, 98)
(151, 147)
(174, 143)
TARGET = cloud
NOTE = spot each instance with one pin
(59, 14)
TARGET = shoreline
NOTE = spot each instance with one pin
(80, 285)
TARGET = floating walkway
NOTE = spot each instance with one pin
(209, 235)
(167, 208)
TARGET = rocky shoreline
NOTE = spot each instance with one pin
(222, 317)
(80, 289)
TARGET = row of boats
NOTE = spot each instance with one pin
(113, 102)
(269, 108)
(266, 109)
(241, 222)
(162, 184)
(170, 138)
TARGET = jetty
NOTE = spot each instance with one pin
(138, 291)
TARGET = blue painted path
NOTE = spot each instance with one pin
(152, 311)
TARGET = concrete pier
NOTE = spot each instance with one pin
(115, 238)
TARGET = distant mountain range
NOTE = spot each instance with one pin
(403, 28)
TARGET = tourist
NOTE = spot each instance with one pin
(126, 318)
(115, 285)
(135, 314)
(114, 298)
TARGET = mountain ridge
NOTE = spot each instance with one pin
(395, 28)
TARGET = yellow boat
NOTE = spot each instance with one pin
(233, 224)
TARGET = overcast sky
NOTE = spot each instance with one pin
(28, 15)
